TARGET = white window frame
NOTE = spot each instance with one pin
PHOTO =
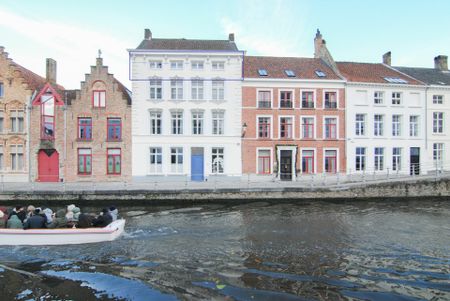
(378, 126)
(292, 117)
(438, 123)
(155, 64)
(200, 122)
(218, 171)
(361, 156)
(292, 99)
(438, 99)
(337, 99)
(220, 120)
(337, 158)
(156, 168)
(176, 83)
(361, 125)
(197, 89)
(218, 65)
(177, 167)
(153, 118)
(314, 126)
(397, 125)
(378, 95)
(324, 128)
(197, 65)
(314, 92)
(155, 85)
(380, 158)
(416, 128)
(218, 89)
(179, 127)
(257, 126)
(438, 154)
(271, 98)
(176, 65)
(397, 158)
(398, 97)
(257, 160)
(314, 150)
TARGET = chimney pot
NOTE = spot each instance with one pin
(387, 58)
(51, 71)
(440, 63)
(147, 34)
(231, 37)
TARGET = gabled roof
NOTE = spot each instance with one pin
(125, 91)
(303, 68)
(373, 73)
(34, 81)
(185, 44)
(46, 89)
(429, 76)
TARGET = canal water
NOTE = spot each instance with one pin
(256, 251)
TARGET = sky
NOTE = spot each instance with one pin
(71, 32)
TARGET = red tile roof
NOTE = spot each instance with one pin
(371, 73)
(34, 81)
(304, 68)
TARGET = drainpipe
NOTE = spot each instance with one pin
(426, 117)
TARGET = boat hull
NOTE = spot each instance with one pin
(67, 236)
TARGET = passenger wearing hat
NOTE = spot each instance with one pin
(36, 221)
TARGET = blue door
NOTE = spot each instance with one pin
(197, 167)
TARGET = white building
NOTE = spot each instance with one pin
(186, 107)
(385, 120)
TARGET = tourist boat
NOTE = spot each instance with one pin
(66, 236)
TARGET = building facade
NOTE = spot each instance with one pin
(186, 107)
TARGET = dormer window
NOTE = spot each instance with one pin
(395, 80)
(48, 116)
(320, 73)
(262, 72)
(289, 73)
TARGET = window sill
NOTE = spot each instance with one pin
(84, 174)
(113, 140)
(287, 109)
(83, 140)
(113, 174)
(303, 108)
(99, 108)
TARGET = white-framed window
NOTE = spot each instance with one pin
(330, 98)
(155, 88)
(16, 152)
(396, 158)
(264, 127)
(176, 89)
(176, 121)
(308, 131)
(264, 99)
(286, 99)
(396, 98)
(438, 99)
(286, 127)
(218, 89)
(218, 122)
(378, 97)
(378, 125)
(176, 65)
(396, 125)
(2, 166)
(360, 158)
(155, 122)
(330, 128)
(413, 125)
(438, 154)
(308, 161)
(176, 160)
(155, 160)
(2, 90)
(197, 123)
(264, 161)
(218, 65)
(16, 121)
(330, 160)
(197, 65)
(360, 124)
(197, 89)
(155, 64)
(217, 160)
(438, 122)
(379, 158)
(308, 100)
(99, 98)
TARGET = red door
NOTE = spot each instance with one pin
(48, 165)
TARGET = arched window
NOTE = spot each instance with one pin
(99, 94)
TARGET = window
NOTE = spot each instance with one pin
(155, 64)
(16, 152)
(307, 99)
(395, 80)
(330, 161)
(155, 123)
(2, 90)
(286, 128)
(396, 98)
(263, 161)
(264, 99)
(437, 99)
(378, 97)
(289, 73)
(307, 161)
(330, 100)
(360, 124)
(176, 65)
(1, 121)
(197, 123)
(262, 72)
(396, 125)
(99, 98)
(396, 158)
(85, 128)
(330, 128)
(379, 158)
(17, 121)
(217, 159)
(114, 161)
(176, 89)
(438, 122)
(176, 160)
(360, 159)
(156, 89)
(438, 154)
(47, 116)
(197, 65)
(414, 126)
(264, 127)
(307, 127)
(84, 161)
(176, 122)
(197, 89)
(155, 160)
(378, 125)
(1, 158)
(286, 99)
(114, 129)
(320, 73)
(218, 122)
(218, 89)
(218, 65)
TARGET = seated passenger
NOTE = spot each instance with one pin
(59, 221)
(103, 220)
(114, 213)
(14, 222)
(3, 217)
(48, 215)
(30, 211)
(85, 220)
(36, 221)
(20, 212)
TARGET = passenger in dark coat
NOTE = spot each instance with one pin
(103, 220)
(36, 221)
(20, 212)
(59, 221)
(85, 220)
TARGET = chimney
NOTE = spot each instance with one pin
(147, 34)
(318, 44)
(387, 58)
(321, 52)
(51, 71)
(440, 63)
(231, 37)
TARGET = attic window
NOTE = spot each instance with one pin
(262, 72)
(395, 80)
(320, 73)
(289, 73)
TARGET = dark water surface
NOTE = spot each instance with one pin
(257, 251)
